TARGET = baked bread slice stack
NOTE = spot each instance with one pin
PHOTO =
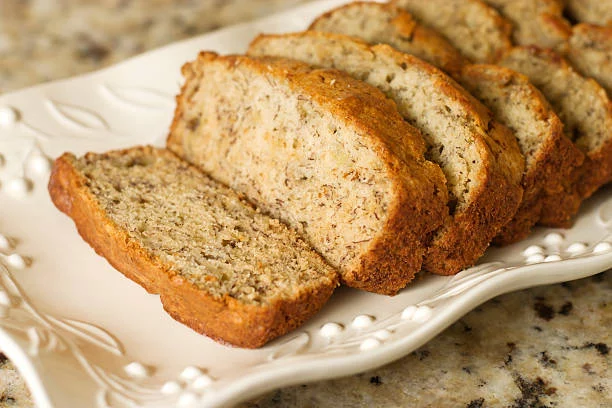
(384, 23)
(550, 157)
(590, 52)
(471, 26)
(325, 153)
(590, 11)
(586, 111)
(220, 267)
(479, 157)
(535, 22)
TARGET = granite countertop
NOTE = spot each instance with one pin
(542, 347)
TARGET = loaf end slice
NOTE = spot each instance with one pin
(384, 23)
(586, 112)
(325, 153)
(471, 26)
(479, 157)
(550, 157)
(219, 266)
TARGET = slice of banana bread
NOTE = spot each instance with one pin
(550, 157)
(479, 157)
(535, 22)
(384, 23)
(325, 153)
(590, 52)
(586, 112)
(220, 266)
(471, 26)
(590, 11)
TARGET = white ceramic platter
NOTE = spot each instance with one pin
(83, 335)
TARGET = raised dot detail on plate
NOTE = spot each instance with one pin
(190, 373)
(136, 370)
(369, 344)
(8, 116)
(39, 164)
(5, 299)
(201, 382)
(383, 334)
(408, 312)
(18, 187)
(171, 387)
(532, 250)
(363, 321)
(5, 243)
(16, 261)
(554, 238)
(417, 314)
(187, 399)
(331, 329)
(535, 258)
(602, 247)
(576, 248)
(552, 258)
(422, 314)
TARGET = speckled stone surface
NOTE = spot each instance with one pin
(542, 347)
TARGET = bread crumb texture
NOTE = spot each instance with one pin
(203, 230)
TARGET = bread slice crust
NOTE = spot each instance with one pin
(223, 319)
(535, 22)
(384, 23)
(474, 28)
(494, 175)
(385, 262)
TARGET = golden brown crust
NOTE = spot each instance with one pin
(223, 319)
(400, 30)
(395, 255)
(440, 52)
